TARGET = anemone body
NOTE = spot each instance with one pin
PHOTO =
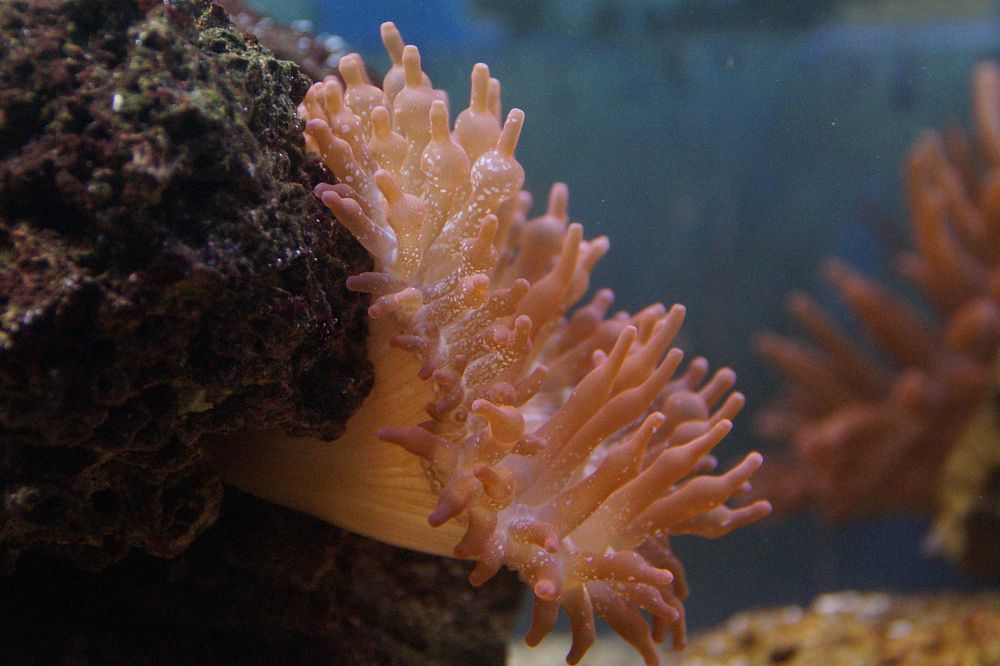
(501, 428)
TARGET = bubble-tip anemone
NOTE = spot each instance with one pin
(501, 428)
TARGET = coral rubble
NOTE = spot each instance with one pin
(846, 628)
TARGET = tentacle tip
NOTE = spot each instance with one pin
(546, 589)
(315, 124)
(437, 518)
(328, 196)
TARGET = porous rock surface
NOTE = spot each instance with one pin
(165, 271)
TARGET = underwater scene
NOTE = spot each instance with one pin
(729, 150)
(373, 358)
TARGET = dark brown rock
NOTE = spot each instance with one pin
(166, 271)
(264, 585)
(315, 55)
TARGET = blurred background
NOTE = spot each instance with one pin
(726, 147)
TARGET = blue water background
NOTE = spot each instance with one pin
(724, 161)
